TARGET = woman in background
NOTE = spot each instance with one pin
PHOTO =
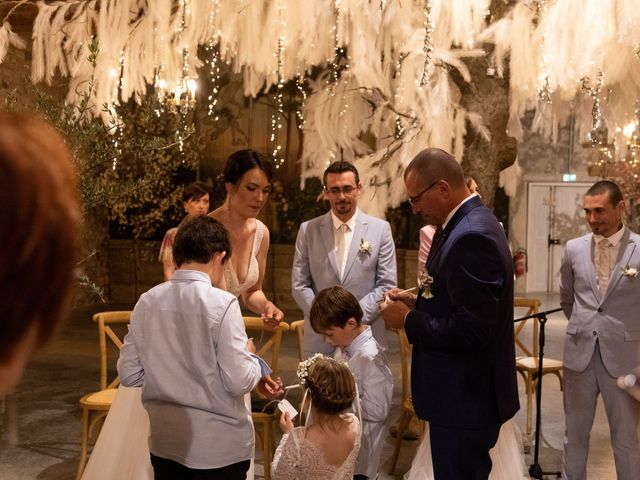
(39, 222)
(248, 181)
(195, 201)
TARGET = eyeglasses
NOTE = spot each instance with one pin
(414, 199)
(335, 191)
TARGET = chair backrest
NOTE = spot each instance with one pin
(297, 327)
(271, 344)
(105, 321)
(532, 306)
(405, 356)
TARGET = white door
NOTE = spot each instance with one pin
(554, 215)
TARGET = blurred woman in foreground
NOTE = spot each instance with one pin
(39, 221)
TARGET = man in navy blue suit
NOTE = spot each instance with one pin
(460, 324)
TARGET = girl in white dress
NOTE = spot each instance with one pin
(327, 449)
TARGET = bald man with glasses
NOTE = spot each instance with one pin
(343, 247)
(463, 377)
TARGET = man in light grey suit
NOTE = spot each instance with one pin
(343, 247)
(600, 295)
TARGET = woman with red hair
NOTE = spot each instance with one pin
(39, 222)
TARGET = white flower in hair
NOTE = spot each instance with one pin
(303, 367)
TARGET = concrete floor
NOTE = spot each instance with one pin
(40, 428)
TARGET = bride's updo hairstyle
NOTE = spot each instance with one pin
(241, 162)
(331, 386)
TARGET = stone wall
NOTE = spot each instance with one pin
(542, 161)
(134, 268)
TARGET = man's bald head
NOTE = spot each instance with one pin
(435, 185)
(433, 164)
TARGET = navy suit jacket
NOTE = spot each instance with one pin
(463, 366)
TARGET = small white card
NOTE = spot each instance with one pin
(285, 406)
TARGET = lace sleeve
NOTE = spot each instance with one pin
(285, 458)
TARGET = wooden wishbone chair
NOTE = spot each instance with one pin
(297, 327)
(95, 405)
(408, 412)
(527, 363)
(268, 348)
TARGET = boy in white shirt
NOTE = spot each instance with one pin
(337, 316)
(188, 349)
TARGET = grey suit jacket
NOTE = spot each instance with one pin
(366, 275)
(613, 318)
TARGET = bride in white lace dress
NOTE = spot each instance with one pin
(121, 451)
(507, 456)
(247, 177)
(326, 449)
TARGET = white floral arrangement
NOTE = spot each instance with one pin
(303, 368)
(424, 284)
(365, 246)
(629, 272)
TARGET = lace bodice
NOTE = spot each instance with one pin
(253, 272)
(296, 458)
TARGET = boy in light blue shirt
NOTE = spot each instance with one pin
(188, 349)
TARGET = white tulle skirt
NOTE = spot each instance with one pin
(507, 457)
(122, 449)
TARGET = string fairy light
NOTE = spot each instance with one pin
(598, 133)
(427, 46)
(340, 61)
(277, 117)
(213, 61)
(544, 88)
(116, 124)
(398, 94)
(333, 62)
(632, 134)
(303, 94)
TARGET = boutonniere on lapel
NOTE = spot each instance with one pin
(365, 247)
(629, 272)
(424, 284)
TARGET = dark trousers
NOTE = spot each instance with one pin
(462, 454)
(165, 469)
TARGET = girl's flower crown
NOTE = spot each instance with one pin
(303, 368)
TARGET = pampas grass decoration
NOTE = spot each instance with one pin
(7, 38)
(378, 92)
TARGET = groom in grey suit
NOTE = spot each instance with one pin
(600, 295)
(343, 247)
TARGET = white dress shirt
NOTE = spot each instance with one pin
(187, 347)
(373, 376)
